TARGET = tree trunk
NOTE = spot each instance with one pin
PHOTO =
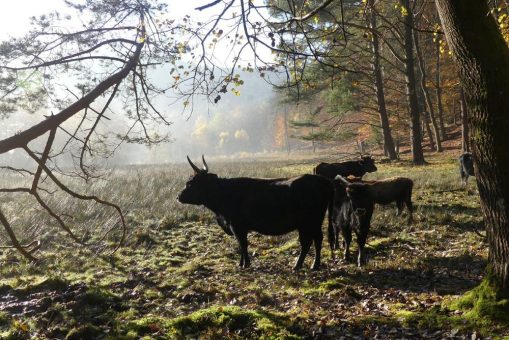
(425, 122)
(440, 107)
(287, 138)
(454, 113)
(465, 144)
(415, 122)
(482, 56)
(425, 92)
(379, 87)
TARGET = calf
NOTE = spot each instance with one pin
(395, 189)
(345, 219)
(362, 197)
(267, 206)
(466, 166)
(349, 168)
(349, 215)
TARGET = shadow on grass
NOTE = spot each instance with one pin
(443, 275)
(57, 301)
(451, 208)
(445, 213)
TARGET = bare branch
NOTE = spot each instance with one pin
(21, 139)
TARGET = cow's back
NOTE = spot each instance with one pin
(344, 169)
(390, 189)
(278, 206)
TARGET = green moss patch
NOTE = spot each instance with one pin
(234, 321)
(478, 309)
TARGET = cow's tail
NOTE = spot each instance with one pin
(330, 229)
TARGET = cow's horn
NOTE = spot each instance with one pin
(205, 166)
(195, 168)
(342, 179)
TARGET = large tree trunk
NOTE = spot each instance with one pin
(415, 122)
(483, 60)
(465, 144)
(379, 88)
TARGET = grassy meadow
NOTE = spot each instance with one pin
(177, 275)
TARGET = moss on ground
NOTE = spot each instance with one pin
(229, 320)
(477, 309)
(178, 276)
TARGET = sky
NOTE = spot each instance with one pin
(236, 125)
(14, 16)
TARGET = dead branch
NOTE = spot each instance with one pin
(15, 243)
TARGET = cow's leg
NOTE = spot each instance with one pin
(346, 231)
(336, 235)
(305, 243)
(317, 240)
(399, 207)
(332, 236)
(464, 176)
(361, 242)
(241, 237)
(410, 208)
(362, 235)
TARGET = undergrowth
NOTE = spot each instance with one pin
(177, 277)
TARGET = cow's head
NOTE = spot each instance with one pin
(368, 164)
(200, 185)
(357, 193)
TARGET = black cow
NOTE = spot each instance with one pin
(346, 217)
(357, 211)
(349, 168)
(466, 166)
(386, 191)
(267, 206)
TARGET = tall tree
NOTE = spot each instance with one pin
(438, 88)
(379, 84)
(415, 117)
(482, 56)
(425, 92)
(465, 142)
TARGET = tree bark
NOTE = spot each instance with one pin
(482, 56)
(415, 122)
(465, 144)
(379, 87)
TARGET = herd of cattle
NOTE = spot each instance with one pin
(281, 205)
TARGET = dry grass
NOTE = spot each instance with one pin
(178, 275)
